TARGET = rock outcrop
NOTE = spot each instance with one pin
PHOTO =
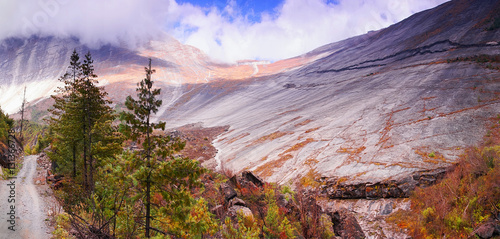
(335, 189)
(345, 225)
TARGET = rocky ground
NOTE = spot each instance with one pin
(371, 215)
(356, 213)
(199, 142)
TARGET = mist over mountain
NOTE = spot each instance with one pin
(368, 109)
(93, 23)
(226, 30)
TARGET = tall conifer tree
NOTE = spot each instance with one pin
(158, 170)
(66, 114)
(78, 112)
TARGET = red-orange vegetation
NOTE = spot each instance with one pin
(312, 130)
(200, 144)
(299, 145)
(468, 196)
(269, 137)
(307, 121)
(267, 169)
(354, 153)
(240, 136)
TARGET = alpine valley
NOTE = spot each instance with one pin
(394, 108)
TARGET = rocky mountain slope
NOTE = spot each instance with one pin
(374, 108)
(38, 62)
(378, 107)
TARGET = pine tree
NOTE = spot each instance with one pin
(158, 170)
(65, 120)
(80, 115)
(140, 125)
(75, 66)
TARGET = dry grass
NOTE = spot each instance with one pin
(240, 136)
(311, 162)
(354, 152)
(431, 157)
(267, 169)
(307, 121)
(290, 121)
(269, 137)
(300, 145)
(312, 130)
(311, 179)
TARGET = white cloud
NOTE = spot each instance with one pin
(297, 27)
(293, 28)
(94, 22)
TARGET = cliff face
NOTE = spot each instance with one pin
(369, 109)
(377, 107)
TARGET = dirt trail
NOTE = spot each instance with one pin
(28, 208)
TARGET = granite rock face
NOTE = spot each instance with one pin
(370, 110)
(378, 107)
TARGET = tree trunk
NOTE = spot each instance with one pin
(74, 160)
(148, 155)
(89, 125)
(85, 186)
(148, 204)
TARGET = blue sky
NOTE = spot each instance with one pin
(253, 9)
(226, 30)
(231, 30)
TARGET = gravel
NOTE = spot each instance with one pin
(30, 208)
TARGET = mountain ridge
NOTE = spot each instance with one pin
(367, 109)
(378, 137)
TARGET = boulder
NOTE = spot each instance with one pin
(488, 229)
(345, 224)
(253, 178)
(237, 201)
(228, 191)
(236, 210)
(388, 208)
(284, 199)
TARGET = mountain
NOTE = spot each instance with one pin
(38, 62)
(377, 107)
(372, 109)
